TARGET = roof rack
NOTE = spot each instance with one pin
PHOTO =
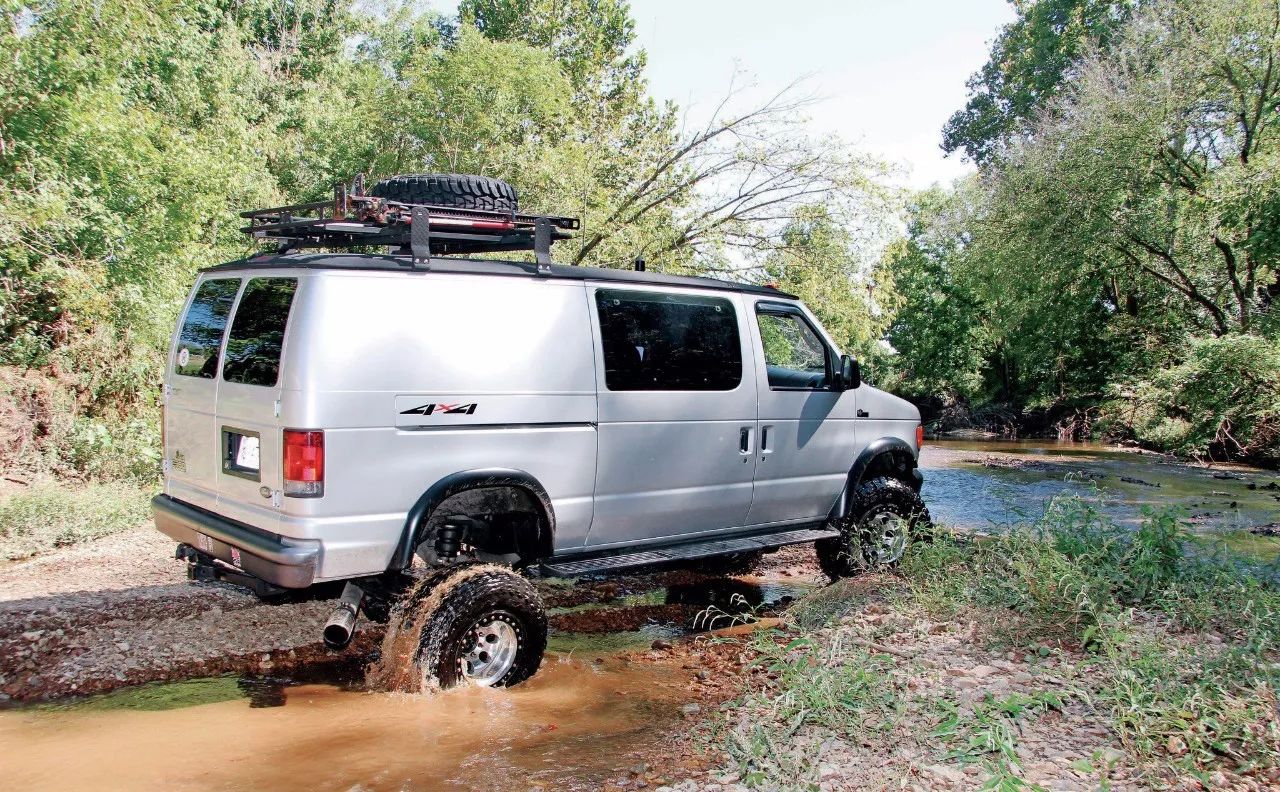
(354, 219)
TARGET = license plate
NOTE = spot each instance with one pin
(247, 453)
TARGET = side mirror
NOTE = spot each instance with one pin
(850, 373)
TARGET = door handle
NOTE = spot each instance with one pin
(764, 440)
(744, 440)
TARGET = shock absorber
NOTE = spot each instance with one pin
(451, 535)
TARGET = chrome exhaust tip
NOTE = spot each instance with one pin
(341, 626)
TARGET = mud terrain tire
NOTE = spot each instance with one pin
(449, 189)
(871, 534)
(473, 616)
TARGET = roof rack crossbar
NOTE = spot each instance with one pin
(353, 219)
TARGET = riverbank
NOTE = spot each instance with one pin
(1076, 655)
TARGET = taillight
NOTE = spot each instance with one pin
(919, 436)
(303, 463)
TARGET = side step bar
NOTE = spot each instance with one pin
(683, 552)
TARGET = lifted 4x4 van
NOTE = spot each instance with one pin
(331, 415)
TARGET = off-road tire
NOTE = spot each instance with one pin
(465, 597)
(731, 564)
(449, 189)
(852, 552)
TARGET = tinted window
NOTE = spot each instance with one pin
(257, 333)
(202, 329)
(668, 342)
(794, 355)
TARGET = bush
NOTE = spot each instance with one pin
(1222, 401)
(51, 516)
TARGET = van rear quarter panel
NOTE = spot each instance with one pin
(370, 352)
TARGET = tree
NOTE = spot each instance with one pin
(941, 334)
(1160, 165)
(1031, 60)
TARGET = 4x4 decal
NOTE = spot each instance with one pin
(445, 409)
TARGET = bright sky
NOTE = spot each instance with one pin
(889, 72)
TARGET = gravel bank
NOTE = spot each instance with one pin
(119, 611)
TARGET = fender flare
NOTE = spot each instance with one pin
(420, 514)
(874, 449)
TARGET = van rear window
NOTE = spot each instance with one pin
(668, 342)
(257, 332)
(202, 329)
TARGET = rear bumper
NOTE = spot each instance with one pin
(290, 563)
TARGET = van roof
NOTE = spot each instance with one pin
(404, 264)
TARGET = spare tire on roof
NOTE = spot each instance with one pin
(449, 189)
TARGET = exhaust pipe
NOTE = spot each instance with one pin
(342, 622)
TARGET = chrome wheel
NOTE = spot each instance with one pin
(885, 537)
(495, 644)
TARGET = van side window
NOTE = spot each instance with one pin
(668, 342)
(794, 355)
(202, 329)
(257, 332)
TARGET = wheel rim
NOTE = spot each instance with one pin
(886, 537)
(494, 644)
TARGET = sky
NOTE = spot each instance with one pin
(888, 73)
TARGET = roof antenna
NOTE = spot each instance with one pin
(639, 264)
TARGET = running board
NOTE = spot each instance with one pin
(683, 552)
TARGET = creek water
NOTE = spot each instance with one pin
(989, 486)
(572, 725)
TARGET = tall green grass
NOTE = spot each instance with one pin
(49, 516)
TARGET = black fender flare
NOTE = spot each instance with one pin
(874, 449)
(415, 523)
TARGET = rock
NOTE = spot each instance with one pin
(945, 773)
(661, 644)
(1175, 746)
(984, 671)
(691, 709)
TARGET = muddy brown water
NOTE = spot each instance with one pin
(566, 727)
(573, 725)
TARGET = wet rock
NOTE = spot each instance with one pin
(661, 644)
(1138, 481)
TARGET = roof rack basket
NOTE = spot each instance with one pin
(354, 219)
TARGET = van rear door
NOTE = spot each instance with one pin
(191, 393)
(247, 420)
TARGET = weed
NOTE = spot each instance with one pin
(989, 736)
(50, 516)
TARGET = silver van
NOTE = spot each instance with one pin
(333, 416)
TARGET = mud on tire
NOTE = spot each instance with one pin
(449, 189)
(484, 625)
(884, 515)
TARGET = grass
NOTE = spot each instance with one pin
(50, 516)
(1182, 641)
(1174, 646)
(839, 689)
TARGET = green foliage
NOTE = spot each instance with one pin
(53, 515)
(1030, 61)
(1223, 401)
(940, 332)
